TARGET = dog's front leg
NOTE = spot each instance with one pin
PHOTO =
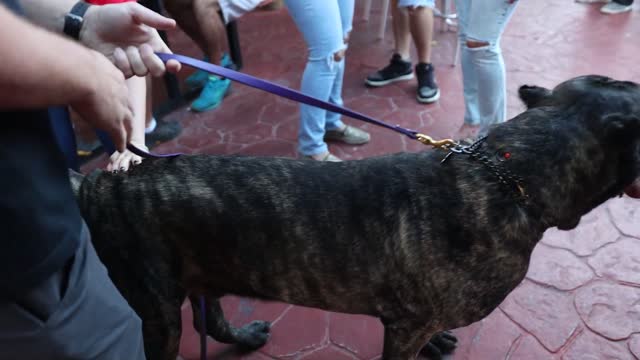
(403, 339)
(250, 336)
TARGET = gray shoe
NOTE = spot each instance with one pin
(328, 157)
(349, 135)
(615, 8)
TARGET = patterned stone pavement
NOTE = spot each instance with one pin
(581, 297)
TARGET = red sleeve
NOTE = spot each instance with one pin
(105, 2)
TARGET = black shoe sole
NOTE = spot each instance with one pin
(374, 83)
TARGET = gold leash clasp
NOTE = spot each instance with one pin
(438, 144)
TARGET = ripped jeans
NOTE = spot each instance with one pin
(324, 24)
(483, 71)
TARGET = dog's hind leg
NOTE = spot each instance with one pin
(441, 343)
(403, 339)
(250, 336)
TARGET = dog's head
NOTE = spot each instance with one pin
(576, 145)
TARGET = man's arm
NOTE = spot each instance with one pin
(40, 69)
(125, 33)
(48, 14)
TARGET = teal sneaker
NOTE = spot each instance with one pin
(198, 79)
(212, 94)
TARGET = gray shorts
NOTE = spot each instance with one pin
(75, 314)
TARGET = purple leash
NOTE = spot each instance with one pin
(285, 92)
(203, 328)
(290, 94)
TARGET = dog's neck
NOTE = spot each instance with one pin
(512, 184)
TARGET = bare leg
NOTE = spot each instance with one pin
(401, 30)
(149, 103)
(421, 24)
(200, 20)
(211, 27)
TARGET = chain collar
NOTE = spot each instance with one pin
(504, 175)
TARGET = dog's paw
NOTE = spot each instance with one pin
(441, 343)
(253, 335)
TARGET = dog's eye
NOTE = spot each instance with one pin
(503, 155)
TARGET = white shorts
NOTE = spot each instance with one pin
(234, 9)
(417, 3)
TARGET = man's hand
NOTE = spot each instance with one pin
(126, 34)
(105, 103)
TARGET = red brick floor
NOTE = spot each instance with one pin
(581, 298)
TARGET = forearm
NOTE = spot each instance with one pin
(38, 68)
(48, 14)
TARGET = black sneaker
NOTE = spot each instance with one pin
(164, 131)
(428, 91)
(397, 70)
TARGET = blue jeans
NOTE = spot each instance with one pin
(324, 25)
(483, 70)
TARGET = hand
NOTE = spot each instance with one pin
(121, 161)
(104, 104)
(126, 34)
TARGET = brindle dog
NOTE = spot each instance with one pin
(421, 244)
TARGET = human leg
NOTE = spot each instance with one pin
(481, 27)
(421, 25)
(75, 314)
(399, 67)
(325, 40)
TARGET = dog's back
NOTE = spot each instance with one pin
(370, 236)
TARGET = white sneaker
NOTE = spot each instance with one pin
(592, 1)
(615, 8)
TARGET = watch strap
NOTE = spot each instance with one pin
(74, 18)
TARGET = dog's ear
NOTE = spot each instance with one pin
(534, 96)
(76, 181)
(621, 128)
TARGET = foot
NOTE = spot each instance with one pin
(253, 335)
(327, 156)
(212, 94)
(164, 131)
(198, 79)
(349, 135)
(613, 8)
(440, 344)
(428, 91)
(397, 70)
(467, 132)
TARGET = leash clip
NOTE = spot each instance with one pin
(438, 144)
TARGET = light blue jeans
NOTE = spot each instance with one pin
(324, 25)
(483, 70)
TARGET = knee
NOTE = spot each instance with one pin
(476, 44)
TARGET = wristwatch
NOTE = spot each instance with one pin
(74, 18)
